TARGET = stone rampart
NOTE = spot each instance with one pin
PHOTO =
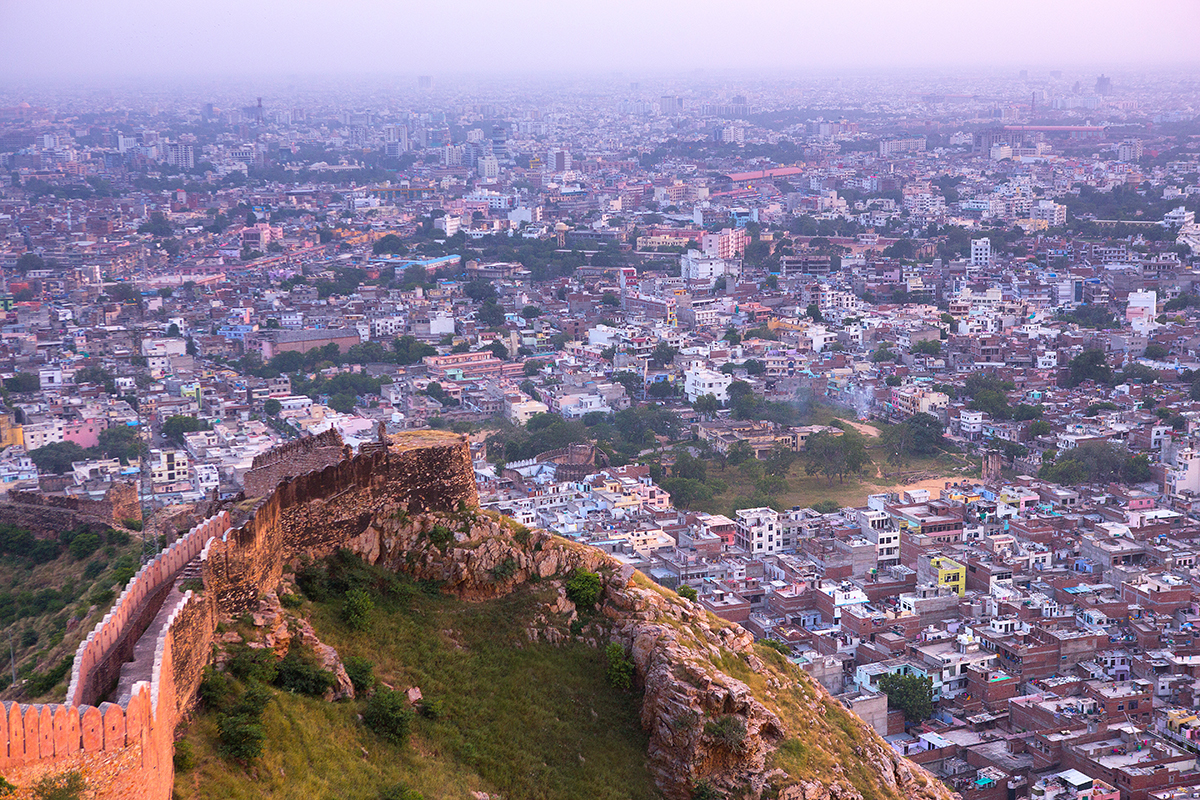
(119, 504)
(293, 458)
(126, 752)
(110, 644)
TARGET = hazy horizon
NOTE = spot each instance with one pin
(136, 39)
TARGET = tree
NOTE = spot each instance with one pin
(733, 337)
(343, 402)
(531, 312)
(29, 262)
(740, 452)
(498, 350)
(272, 407)
(611, 300)
(814, 312)
(1039, 427)
(929, 347)
(663, 354)
(686, 491)
(583, 588)
(912, 694)
(173, 331)
(480, 291)
(754, 367)
(410, 350)
(22, 382)
(56, 458)
(122, 442)
(780, 460)
(1155, 352)
(883, 353)
(661, 389)
(706, 404)
(835, 456)
(491, 314)
(179, 424)
(389, 244)
(1090, 365)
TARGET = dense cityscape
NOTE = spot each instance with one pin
(900, 373)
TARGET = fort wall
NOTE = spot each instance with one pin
(126, 751)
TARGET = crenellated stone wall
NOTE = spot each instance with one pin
(294, 458)
(126, 750)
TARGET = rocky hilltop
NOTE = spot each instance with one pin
(721, 711)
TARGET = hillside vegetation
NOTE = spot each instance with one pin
(547, 670)
(52, 593)
(503, 715)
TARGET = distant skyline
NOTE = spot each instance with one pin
(84, 40)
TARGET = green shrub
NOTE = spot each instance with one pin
(400, 792)
(101, 597)
(299, 674)
(184, 758)
(775, 644)
(431, 708)
(240, 733)
(240, 737)
(132, 524)
(620, 667)
(6, 788)
(253, 663)
(118, 538)
(313, 581)
(63, 786)
(388, 715)
(42, 683)
(124, 568)
(583, 588)
(441, 536)
(93, 570)
(217, 690)
(43, 551)
(361, 672)
(705, 791)
(688, 593)
(84, 544)
(728, 731)
(291, 600)
(356, 609)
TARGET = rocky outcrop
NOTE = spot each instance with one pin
(278, 631)
(704, 723)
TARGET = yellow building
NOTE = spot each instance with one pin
(11, 434)
(950, 574)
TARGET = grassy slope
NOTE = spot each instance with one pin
(55, 601)
(529, 721)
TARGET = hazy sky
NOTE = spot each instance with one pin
(84, 39)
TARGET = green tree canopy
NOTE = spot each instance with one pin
(176, 426)
(912, 694)
(1090, 365)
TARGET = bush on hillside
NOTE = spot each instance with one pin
(583, 588)
(388, 715)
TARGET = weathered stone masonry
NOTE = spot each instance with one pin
(126, 751)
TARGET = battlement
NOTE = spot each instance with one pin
(126, 750)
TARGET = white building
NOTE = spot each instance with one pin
(697, 266)
(981, 252)
(699, 381)
(758, 531)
